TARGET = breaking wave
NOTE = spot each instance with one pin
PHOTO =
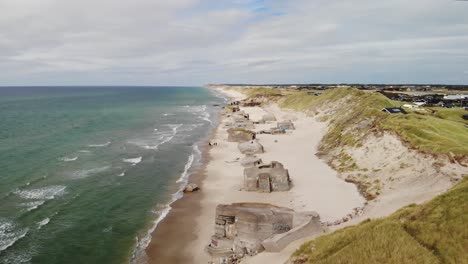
(163, 210)
(202, 113)
(32, 205)
(81, 174)
(184, 175)
(42, 223)
(100, 145)
(10, 233)
(133, 161)
(68, 159)
(45, 193)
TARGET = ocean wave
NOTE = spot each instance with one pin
(168, 137)
(10, 233)
(68, 159)
(143, 243)
(133, 161)
(45, 193)
(183, 176)
(164, 210)
(84, 151)
(42, 223)
(121, 174)
(89, 172)
(202, 113)
(163, 137)
(32, 205)
(100, 145)
(152, 147)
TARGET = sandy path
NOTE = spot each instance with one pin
(316, 186)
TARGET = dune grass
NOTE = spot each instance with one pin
(435, 232)
(435, 131)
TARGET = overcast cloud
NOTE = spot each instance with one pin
(193, 42)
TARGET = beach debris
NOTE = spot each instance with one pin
(250, 147)
(191, 187)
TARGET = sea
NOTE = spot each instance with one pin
(87, 173)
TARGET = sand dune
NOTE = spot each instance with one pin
(316, 186)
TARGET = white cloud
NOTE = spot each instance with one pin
(195, 42)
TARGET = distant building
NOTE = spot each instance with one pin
(456, 97)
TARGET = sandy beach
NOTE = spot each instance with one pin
(187, 230)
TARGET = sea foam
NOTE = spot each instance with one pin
(133, 161)
(32, 205)
(81, 174)
(100, 145)
(68, 159)
(45, 193)
(184, 175)
(10, 233)
(42, 223)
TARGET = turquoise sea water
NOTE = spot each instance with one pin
(86, 172)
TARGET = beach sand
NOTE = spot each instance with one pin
(182, 236)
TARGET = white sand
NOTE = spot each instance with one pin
(315, 185)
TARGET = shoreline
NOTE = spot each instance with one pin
(183, 234)
(174, 232)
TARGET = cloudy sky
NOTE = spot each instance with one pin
(194, 42)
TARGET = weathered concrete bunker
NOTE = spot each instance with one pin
(240, 135)
(271, 177)
(249, 228)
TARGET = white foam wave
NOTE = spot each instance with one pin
(84, 151)
(168, 137)
(100, 145)
(32, 205)
(42, 223)
(183, 176)
(68, 159)
(45, 193)
(144, 242)
(153, 147)
(133, 161)
(89, 172)
(121, 174)
(9, 234)
(163, 211)
(202, 112)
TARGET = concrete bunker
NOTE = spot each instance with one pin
(249, 228)
(271, 177)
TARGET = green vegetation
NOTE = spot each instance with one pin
(434, 232)
(352, 114)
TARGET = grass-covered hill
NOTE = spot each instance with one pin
(353, 113)
(435, 232)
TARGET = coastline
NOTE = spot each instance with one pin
(186, 230)
(175, 231)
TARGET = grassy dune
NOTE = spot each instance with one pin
(434, 232)
(356, 113)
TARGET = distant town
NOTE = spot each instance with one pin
(383, 87)
(420, 94)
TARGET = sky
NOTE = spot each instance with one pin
(196, 42)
